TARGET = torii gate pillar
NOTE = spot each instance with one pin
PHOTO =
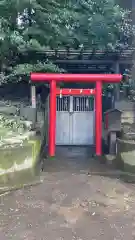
(52, 118)
(98, 118)
(99, 79)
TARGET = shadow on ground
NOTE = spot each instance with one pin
(81, 160)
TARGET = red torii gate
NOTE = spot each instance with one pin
(53, 79)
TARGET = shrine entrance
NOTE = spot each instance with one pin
(74, 120)
(98, 79)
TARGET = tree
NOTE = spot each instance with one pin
(36, 25)
(31, 26)
(101, 24)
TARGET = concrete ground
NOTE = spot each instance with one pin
(79, 199)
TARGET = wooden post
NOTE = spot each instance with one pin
(112, 143)
(33, 103)
(33, 96)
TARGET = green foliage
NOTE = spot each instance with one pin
(40, 67)
(102, 24)
(36, 25)
(16, 125)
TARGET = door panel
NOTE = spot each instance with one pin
(63, 126)
(82, 130)
(63, 121)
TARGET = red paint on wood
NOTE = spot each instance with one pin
(110, 78)
(98, 118)
(52, 119)
(67, 91)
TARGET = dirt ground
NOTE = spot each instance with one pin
(74, 202)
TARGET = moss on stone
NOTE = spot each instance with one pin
(19, 152)
(13, 155)
(126, 155)
(17, 179)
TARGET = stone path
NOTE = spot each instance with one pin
(70, 204)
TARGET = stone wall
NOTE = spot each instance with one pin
(125, 158)
(20, 148)
(18, 155)
(128, 116)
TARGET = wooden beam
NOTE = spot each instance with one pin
(67, 91)
(87, 62)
